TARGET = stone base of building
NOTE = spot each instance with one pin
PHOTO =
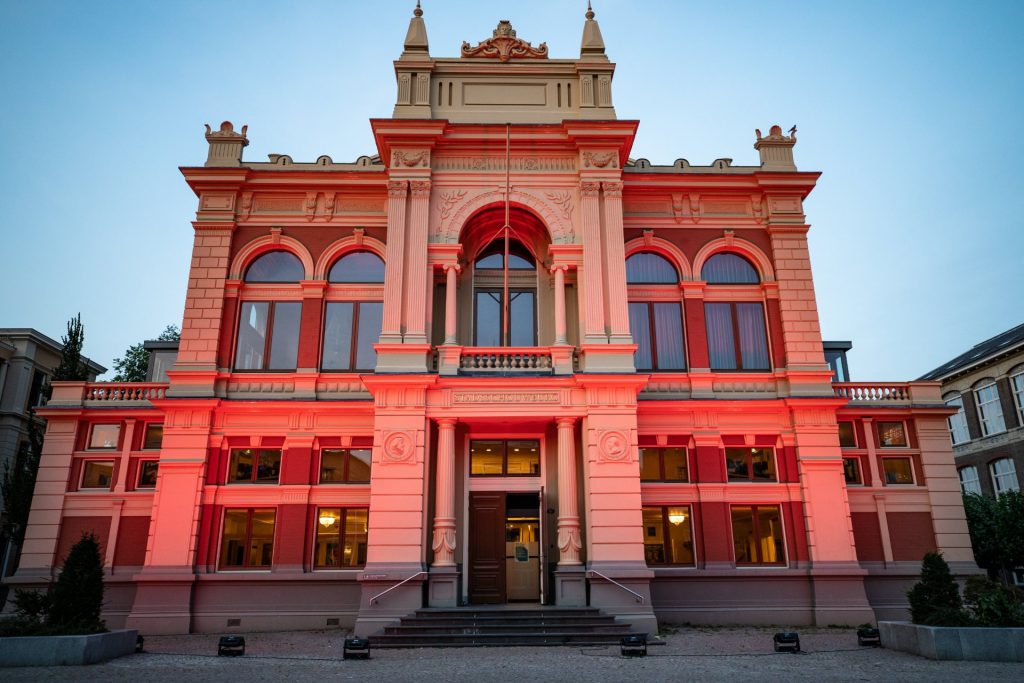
(444, 587)
(571, 586)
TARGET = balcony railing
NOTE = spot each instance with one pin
(505, 359)
(67, 394)
(889, 393)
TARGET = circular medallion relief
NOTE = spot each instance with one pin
(399, 447)
(614, 446)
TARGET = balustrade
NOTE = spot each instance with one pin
(505, 358)
(124, 391)
(880, 392)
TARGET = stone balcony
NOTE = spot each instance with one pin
(902, 394)
(105, 394)
(505, 360)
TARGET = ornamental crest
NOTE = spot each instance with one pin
(504, 45)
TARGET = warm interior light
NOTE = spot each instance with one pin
(677, 516)
(327, 518)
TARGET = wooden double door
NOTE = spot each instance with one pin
(504, 547)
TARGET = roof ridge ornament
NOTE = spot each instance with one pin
(504, 45)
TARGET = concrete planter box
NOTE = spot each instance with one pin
(60, 650)
(976, 644)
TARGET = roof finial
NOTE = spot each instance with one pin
(416, 38)
(417, 12)
(590, 10)
(592, 47)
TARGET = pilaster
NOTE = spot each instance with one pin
(391, 330)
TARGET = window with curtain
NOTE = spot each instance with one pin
(357, 267)
(726, 268)
(657, 329)
(268, 335)
(648, 268)
(351, 328)
(969, 480)
(737, 339)
(275, 266)
(757, 535)
(1004, 476)
(990, 411)
(957, 422)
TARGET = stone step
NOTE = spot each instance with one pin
(518, 629)
(495, 639)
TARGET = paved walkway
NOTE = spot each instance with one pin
(702, 654)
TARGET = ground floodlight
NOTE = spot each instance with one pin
(787, 641)
(869, 637)
(231, 646)
(634, 645)
(356, 648)
(139, 640)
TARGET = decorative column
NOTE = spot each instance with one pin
(561, 338)
(615, 264)
(591, 284)
(444, 502)
(392, 324)
(568, 509)
(419, 283)
(444, 576)
(451, 271)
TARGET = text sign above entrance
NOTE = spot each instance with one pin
(507, 397)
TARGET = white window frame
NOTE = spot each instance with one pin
(957, 422)
(1017, 386)
(991, 422)
(969, 484)
(1006, 480)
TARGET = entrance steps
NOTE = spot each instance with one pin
(503, 626)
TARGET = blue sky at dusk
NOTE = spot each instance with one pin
(912, 111)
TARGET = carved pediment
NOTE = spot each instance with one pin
(504, 45)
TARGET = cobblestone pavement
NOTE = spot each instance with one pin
(690, 654)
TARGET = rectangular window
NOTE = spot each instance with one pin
(340, 538)
(657, 330)
(97, 474)
(668, 535)
(347, 322)
(345, 466)
(891, 435)
(847, 435)
(663, 464)
(898, 471)
(957, 422)
(154, 437)
(750, 464)
(252, 466)
(1004, 476)
(104, 436)
(1017, 383)
(969, 480)
(757, 535)
(258, 350)
(851, 471)
(147, 474)
(990, 412)
(248, 539)
(522, 326)
(737, 339)
(497, 458)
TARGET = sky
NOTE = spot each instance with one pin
(911, 110)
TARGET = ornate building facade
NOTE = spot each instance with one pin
(499, 361)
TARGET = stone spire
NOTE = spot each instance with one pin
(592, 47)
(416, 38)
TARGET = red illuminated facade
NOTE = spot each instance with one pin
(499, 361)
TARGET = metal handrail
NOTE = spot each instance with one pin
(639, 598)
(375, 598)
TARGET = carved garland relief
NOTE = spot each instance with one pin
(450, 219)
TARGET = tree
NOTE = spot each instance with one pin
(935, 599)
(997, 530)
(72, 366)
(20, 481)
(77, 596)
(133, 365)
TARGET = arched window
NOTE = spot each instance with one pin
(957, 422)
(358, 267)
(648, 268)
(656, 325)
(275, 266)
(490, 327)
(1004, 476)
(492, 258)
(726, 268)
